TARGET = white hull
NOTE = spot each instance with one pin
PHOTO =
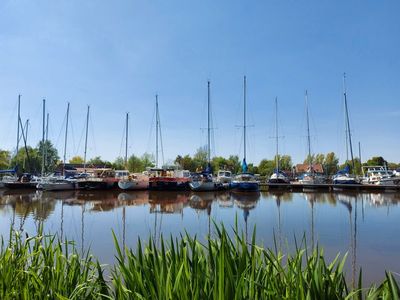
(61, 186)
(205, 186)
(133, 184)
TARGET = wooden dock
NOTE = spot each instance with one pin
(329, 187)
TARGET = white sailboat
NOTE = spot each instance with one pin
(343, 176)
(133, 181)
(278, 176)
(310, 178)
(245, 181)
(205, 181)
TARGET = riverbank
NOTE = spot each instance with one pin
(43, 267)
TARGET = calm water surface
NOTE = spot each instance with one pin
(366, 226)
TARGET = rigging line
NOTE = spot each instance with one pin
(61, 131)
(72, 129)
(93, 135)
(150, 139)
(81, 138)
(161, 140)
(122, 140)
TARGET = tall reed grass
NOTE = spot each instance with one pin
(43, 267)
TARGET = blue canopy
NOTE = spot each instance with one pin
(277, 171)
(346, 170)
(208, 169)
(244, 166)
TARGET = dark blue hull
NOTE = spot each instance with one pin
(245, 186)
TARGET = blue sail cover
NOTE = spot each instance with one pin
(277, 171)
(208, 169)
(344, 171)
(244, 166)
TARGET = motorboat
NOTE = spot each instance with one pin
(379, 175)
(279, 177)
(344, 177)
(169, 179)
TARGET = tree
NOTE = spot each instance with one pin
(98, 161)
(200, 158)
(376, 161)
(119, 163)
(5, 158)
(285, 162)
(331, 163)
(28, 160)
(357, 166)
(218, 163)
(233, 163)
(76, 160)
(147, 160)
(135, 164)
(266, 167)
(50, 154)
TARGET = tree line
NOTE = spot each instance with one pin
(30, 159)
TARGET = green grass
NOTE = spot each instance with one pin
(43, 267)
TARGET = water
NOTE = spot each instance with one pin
(366, 226)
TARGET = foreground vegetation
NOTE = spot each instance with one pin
(43, 267)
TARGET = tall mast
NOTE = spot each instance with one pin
(86, 137)
(19, 116)
(347, 119)
(208, 124)
(126, 140)
(157, 124)
(359, 154)
(66, 138)
(47, 127)
(244, 115)
(308, 132)
(276, 134)
(43, 135)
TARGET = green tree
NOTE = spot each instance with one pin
(376, 161)
(234, 164)
(76, 160)
(357, 166)
(285, 162)
(147, 160)
(119, 163)
(200, 158)
(331, 163)
(28, 160)
(98, 161)
(218, 163)
(135, 164)
(266, 167)
(50, 154)
(5, 158)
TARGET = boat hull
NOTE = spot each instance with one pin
(201, 186)
(58, 186)
(96, 185)
(245, 186)
(133, 185)
(168, 185)
(20, 185)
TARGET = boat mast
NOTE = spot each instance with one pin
(276, 135)
(43, 136)
(86, 137)
(47, 137)
(347, 119)
(244, 116)
(157, 125)
(208, 125)
(65, 139)
(26, 129)
(19, 116)
(126, 140)
(308, 134)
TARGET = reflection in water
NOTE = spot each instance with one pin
(89, 216)
(246, 201)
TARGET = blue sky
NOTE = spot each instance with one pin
(116, 55)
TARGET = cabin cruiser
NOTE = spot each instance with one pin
(7, 176)
(169, 179)
(224, 176)
(134, 181)
(59, 183)
(279, 177)
(344, 177)
(379, 175)
(205, 181)
(100, 179)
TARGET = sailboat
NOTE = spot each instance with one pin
(170, 179)
(310, 177)
(343, 176)
(205, 181)
(60, 183)
(244, 181)
(133, 181)
(278, 176)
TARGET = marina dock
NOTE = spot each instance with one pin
(296, 187)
